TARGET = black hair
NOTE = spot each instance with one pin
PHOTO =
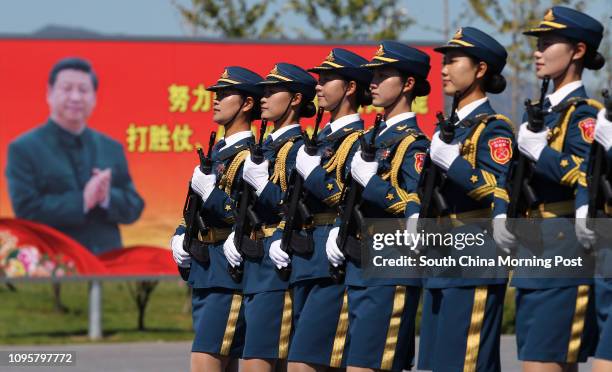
(421, 88)
(363, 95)
(73, 63)
(307, 109)
(493, 82)
(255, 112)
(593, 60)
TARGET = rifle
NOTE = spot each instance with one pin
(247, 220)
(522, 195)
(351, 217)
(192, 207)
(298, 214)
(432, 177)
(598, 172)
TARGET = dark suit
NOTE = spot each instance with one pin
(47, 170)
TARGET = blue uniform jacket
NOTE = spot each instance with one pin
(47, 170)
(556, 180)
(381, 199)
(476, 183)
(261, 275)
(323, 194)
(219, 212)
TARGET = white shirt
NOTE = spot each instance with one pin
(234, 138)
(467, 109)
(558, 96)
(282, 130)
(343, 122)
(396, 119)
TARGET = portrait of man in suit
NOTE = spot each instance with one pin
(67, 175)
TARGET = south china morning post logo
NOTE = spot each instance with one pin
(394, 250)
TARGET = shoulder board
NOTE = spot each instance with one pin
(415, 132)
(577, 101)
(486, 119)
(279, 144)
(501, 117)
(232, 151)
(400, 136)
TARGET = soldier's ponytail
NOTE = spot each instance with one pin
(307, 109)
(363, 96)
(494, 83)
(594, 60)
(421, 88)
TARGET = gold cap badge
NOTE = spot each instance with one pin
(458, 34)
(549, 16)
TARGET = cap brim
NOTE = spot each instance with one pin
(539, 30)
(240, 87)
(322, 68)
(272, 82)
(218, 86)
(447, 47)
(377, 64)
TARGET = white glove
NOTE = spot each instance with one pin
(305, 163)
(411, 227)
(362, 171)
(279, 257)
(203, 184)
(603, 130)
(255, 174)
(504, 239)
(231, 252)
(530, 143)
(587, 238)
(334, 254)
(442, 153)
(182, 258)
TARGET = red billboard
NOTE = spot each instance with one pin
(152, 99)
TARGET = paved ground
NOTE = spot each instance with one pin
(168, 356)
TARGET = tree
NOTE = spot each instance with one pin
(231, 18)
(352, 19)
(141, 293)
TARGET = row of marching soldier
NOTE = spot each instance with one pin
(270, 239)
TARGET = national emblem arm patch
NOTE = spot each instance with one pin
(587, 129)
(500, 149)
(419, 160)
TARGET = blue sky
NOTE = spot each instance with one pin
(160, 17)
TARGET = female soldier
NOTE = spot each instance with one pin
(216, 301)
(288, 95)
(462, 315)
(382, 311)
(554, 316)
(320, 315)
